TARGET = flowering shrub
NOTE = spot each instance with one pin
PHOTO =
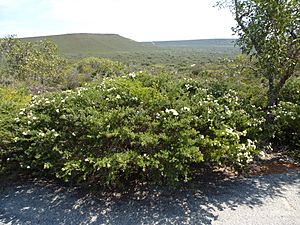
(10, 103)
(286, 127)
(142, 126)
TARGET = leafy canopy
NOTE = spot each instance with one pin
(31, 61)
(269, 31)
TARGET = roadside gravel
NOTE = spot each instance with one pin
(268, 199)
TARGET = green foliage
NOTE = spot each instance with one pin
(287, 125)
(96, 68)
(33, 63)
(122, 126)
(11, 101)
(269, 31)
(138, 126)
(90, 69)
(238, 74)
(291, 91)
(241, 75)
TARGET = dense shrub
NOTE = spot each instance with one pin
(286, 127)
(291, 91)
(90, 69)
(33, 63)
(38, 67)
(136, 126)
(241, 74)
(94, 68)
(11, 101)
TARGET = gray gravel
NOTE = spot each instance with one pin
(269, 199)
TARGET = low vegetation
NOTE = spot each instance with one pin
(155, 117)
(137, 125)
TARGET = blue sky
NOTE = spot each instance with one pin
(140, 20)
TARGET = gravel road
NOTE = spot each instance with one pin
(269, 199)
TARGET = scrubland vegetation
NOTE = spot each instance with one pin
(153, 115)
(100, 121)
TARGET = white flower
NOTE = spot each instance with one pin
(186, 109)
(57, 110)
(193, 65)
(73, 134)
(173, 111)
(132, 75)
(229, 130)
(118, 97)
(188, 86)
(111, 89)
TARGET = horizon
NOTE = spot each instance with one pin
(50, 35)
(139, 20)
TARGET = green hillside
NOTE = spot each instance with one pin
(122, 49)
(93, 44)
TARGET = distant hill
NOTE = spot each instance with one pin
(209, 47)
(120, 48)
(224, 43)
(83, 44)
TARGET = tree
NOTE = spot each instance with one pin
(269, 31)
(37, 62)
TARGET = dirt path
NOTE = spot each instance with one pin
(268, 199)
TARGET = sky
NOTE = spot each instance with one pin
(140, 20)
